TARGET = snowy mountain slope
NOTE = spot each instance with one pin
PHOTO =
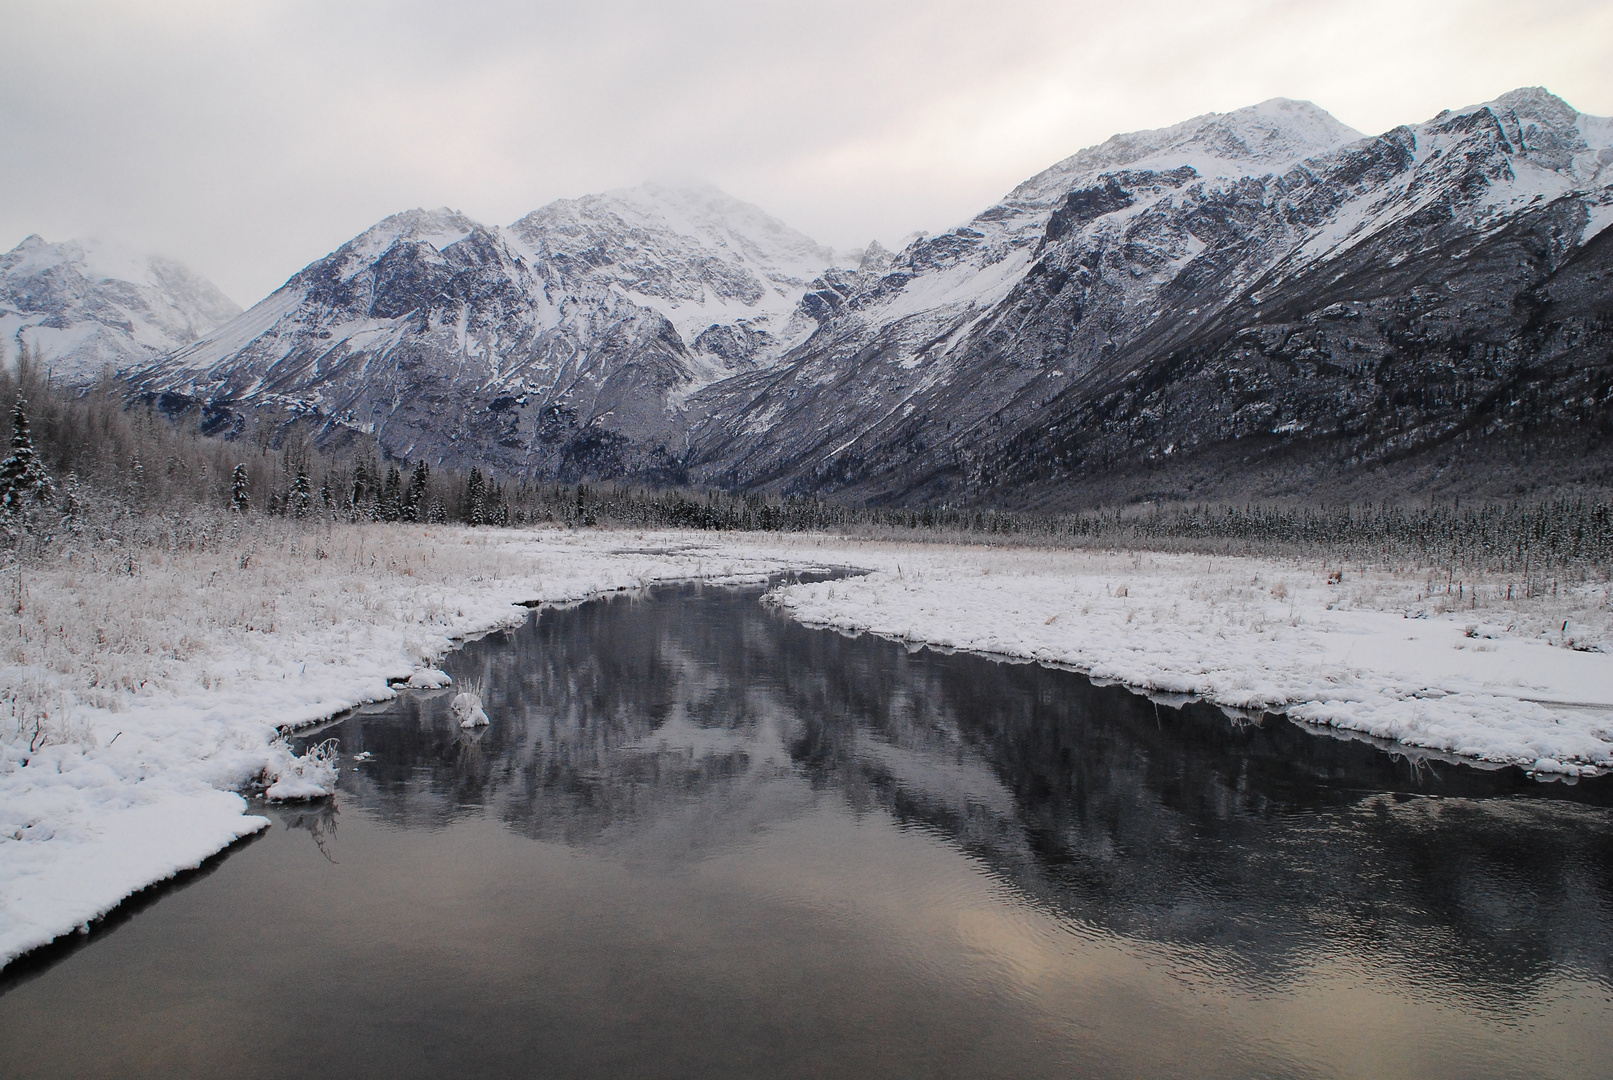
(1060, 361)
(559, 346)
(1451, 297)
(888, 334)
(695, 254)
(87, 306)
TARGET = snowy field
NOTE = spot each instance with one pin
(149, 689)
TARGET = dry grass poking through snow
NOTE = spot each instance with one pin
(105, 623)
(148, 669)
(1445, 665)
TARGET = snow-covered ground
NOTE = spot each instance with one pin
(1448, 666)
(149, 688)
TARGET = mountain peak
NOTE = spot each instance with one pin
(697, 210)
(439, 227)
(1534, 125)
(1540, 103)
(1267, 137)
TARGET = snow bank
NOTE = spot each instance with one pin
(1387, 655)
(87, 863)
(429, 679)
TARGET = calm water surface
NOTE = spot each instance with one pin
(700, 840)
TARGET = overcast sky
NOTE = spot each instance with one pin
(250, 137)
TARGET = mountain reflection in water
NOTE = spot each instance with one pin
(1176, 824)
(1144, 888)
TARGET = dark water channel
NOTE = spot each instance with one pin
(699, 840)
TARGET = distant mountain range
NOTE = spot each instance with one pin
(1251, 303)
(86, 308)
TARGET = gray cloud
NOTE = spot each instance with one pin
(251, 137)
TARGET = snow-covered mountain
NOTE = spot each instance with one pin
(1150, 316)
(558, 346)
(891, 331)
(86, 306)
(726, 275)
(1176, 292)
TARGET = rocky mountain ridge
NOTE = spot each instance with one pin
(1156, 316)
(561, 345)
(1346, 310)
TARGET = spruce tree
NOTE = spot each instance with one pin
(240, 491)
(23, 480)
(301, 494)
(414, 500)
(475, 495)
(392, 496)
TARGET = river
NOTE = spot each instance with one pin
(700, 840)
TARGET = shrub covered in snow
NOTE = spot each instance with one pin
(309, 775)
(467, 707)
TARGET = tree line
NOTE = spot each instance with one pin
(70, 452)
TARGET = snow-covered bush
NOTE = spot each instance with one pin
(467, 705)
(309, 775)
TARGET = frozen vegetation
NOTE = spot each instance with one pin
(151, 680)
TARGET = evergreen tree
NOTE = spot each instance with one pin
(23, 480)
(414, 500)
(475, 497)
(240, 494)
(301, 494)
(392, 496)
(495, 509)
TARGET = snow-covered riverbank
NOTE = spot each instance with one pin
(146, 691)
(1395, 656)
(146, 694)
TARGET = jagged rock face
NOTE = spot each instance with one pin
(557, 347)
(85, 307)
(1229, 286)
